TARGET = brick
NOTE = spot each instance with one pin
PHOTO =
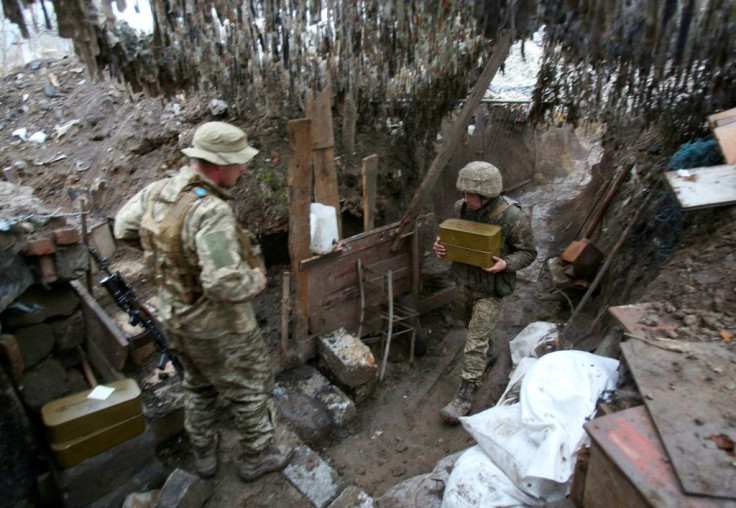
(348, 358)
(11, 354)
(47, 269)
(40, 247)
(67, 236)
(56, 222)
(183, 490)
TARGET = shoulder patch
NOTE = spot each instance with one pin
(219, 249)
(200, 191)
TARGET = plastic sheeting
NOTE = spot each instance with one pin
(534, 443)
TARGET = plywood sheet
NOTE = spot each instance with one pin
(726, 136)
(629, 440)
(722, 118)
(692, 401)
(705, 187)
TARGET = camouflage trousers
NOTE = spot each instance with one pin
(480, 311)
(236, 368)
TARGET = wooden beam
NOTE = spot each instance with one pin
(369, 173)
(300, 191)
(455, 136)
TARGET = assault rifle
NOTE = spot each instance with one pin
(124, 295)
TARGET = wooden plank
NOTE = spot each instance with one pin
(300, 191)
(722, 118)
(726, 136)
(630, 467)
(691, 400)
(102, 331)
(369, 174)
(455, 135)
(632, 319)
(704, 187)
(437, 300)
(319, 110)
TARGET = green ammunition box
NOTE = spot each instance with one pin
(472, 243)
(78, 415)
(76, 450)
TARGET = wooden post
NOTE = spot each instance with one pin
(455, 136)
(285, 308)
(370, 173)
(326, 191)
(300, 190)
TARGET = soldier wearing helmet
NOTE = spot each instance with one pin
(480, 291)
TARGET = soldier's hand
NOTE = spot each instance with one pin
(262, 278)
(439, 249)
(499, 265)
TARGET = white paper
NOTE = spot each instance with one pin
(100, 392)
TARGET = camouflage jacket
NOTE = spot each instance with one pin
(517, 248)
(210, 240)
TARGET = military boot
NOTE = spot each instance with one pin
(460, 405)
(205, 458)
(272, 458)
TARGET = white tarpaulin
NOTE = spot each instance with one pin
(535, 442)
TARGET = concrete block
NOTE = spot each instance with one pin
(313, 477)
(72, 261)
(347, 357)
(94, 478)
(45, 382)
(40, 247)
(67, 236)
(11, 355)
(69, 332)
(312, 406)
(35, 342)
(41, 304)
(352, 497)
(184, 490)
(364, 391)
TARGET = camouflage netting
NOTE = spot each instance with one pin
(663, 61)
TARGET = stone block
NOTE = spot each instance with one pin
(40, 304)
(152, 476)
(69, 332)
(95, 477)
(67, 236)
(72, 261)
(40, 247)
(364, 391)
(557, 272)
(11, 355)
(45, 382)
(35, 342)
(313, 477)
(312, 406)
(184, 490)
(352, 497)
(56, 222)
(348, 358)
(15, 278)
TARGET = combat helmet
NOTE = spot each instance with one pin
(480, 177)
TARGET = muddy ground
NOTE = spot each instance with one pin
(101, 136)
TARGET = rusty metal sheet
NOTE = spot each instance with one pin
(691, 397)
(629, 439)
(705, 187)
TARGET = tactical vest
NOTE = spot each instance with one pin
(163, 248)
(474, 278)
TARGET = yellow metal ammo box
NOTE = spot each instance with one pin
(472, 243)
(79, 426)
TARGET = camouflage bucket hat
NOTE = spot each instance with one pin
(220, 143)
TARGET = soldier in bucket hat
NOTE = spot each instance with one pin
(207, 271)
(480, 291)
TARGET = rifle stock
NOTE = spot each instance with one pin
(125, 297)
